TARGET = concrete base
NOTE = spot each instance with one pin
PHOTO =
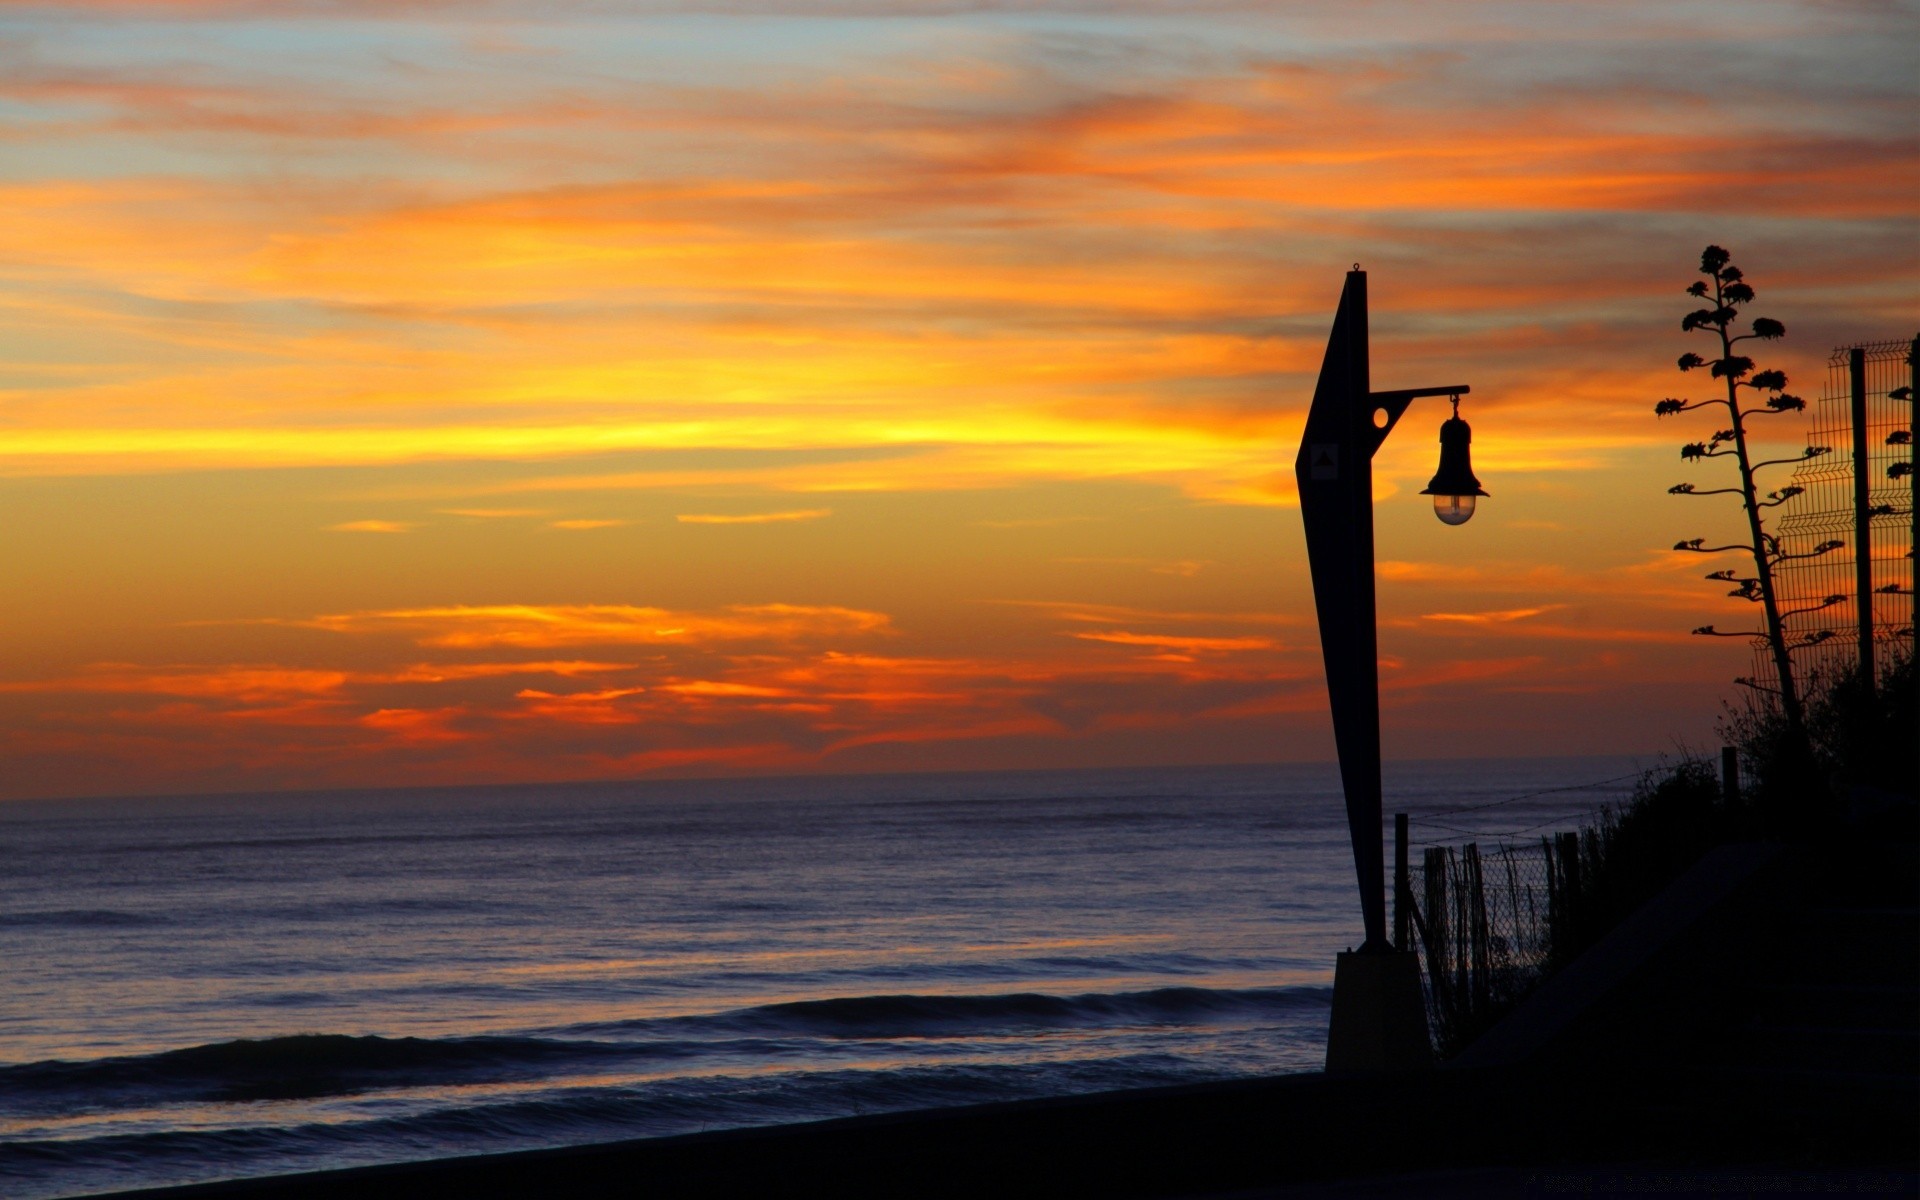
(1379, 1016)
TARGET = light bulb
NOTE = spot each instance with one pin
(1454, 510)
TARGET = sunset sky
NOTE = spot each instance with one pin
(422, 393)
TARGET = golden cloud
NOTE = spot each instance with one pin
(759, 518)
(544, 626)
(1492, 618)
(239, 682)
(1191, 645)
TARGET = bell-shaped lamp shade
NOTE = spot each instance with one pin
(1454, 488)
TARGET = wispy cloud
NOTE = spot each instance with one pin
(757, 518)
(1177, 642)
(1113, 614)
(374, 526)
(1498, 617)
(541, 626)
(1426, 572)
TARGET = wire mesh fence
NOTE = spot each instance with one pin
(1823, 588)
(1492, 911)
(1482, 923)
(1487, 924)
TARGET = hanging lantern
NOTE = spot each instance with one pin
(1454, 488)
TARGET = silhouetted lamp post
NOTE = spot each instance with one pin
(1379, 1019)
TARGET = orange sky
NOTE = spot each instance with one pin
(441, 393)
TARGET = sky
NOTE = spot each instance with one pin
(437, 393)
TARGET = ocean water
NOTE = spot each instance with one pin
(206, 988)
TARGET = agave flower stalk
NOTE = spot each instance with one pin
(1727, 290)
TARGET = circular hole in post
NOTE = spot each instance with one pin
(1381, 417)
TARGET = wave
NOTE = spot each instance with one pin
(945, 1016)
(299, 1066)
(306, 1066)
(84, 918)
(49, 1167)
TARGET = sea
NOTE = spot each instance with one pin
(201, 988)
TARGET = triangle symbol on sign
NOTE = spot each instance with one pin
(1322, 458)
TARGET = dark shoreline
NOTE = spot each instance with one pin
(1482, 1131)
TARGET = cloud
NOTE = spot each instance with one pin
(1176, 642)
(1113, 614)
(442, 672)
(760, 518)
(533, 626)
(374, 526)
(242, 682)
(255, 682)
(1491, 618)
(710, 688)
(415, 726)
(586, 523)
(1420, 572)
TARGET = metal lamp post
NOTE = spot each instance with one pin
(1379, 1018)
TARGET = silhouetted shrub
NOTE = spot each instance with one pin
(1633, 852)
(1859, 763)
(1861, 755)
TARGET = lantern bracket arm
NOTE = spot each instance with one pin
(1395, 403)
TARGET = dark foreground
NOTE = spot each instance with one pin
(1468, 1133)
(1724, 1041)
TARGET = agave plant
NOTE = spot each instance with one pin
(1749, 394)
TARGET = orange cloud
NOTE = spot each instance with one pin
(1174, 642)
(442, 672)
(1415, 572)
(1495, 617)
(708, 688)
(761, 518)
(414, 725)
(243, 683)
(1112, 614)
(543, 626)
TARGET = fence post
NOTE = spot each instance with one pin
(1478, 950)
(1439, 939)
(1556, 900)
(1568, 845)
(1729, 775)
(1402, 896)
(1862, 519)
(1913, 461)
(1462, 936)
